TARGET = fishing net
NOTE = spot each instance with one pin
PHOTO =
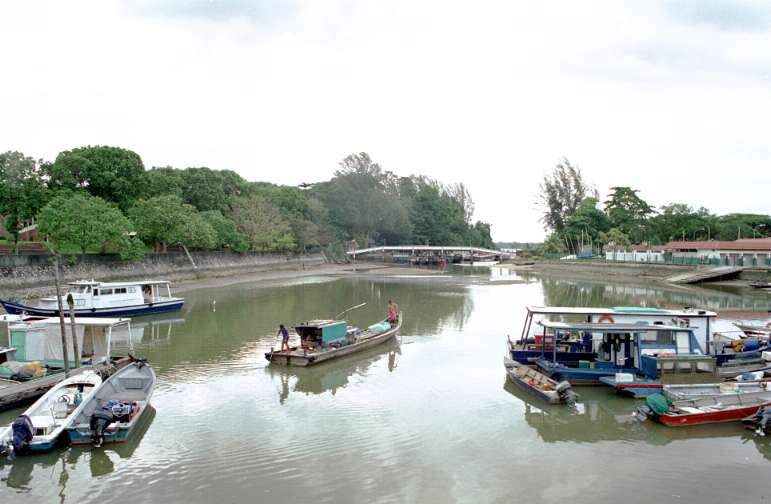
(658, 403)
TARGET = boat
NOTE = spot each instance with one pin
(570, 350)
(111, 414)
(39, 427)
(661, 371)
(760, 285)
(323, 340)
(704, 410)
(760, 422)
(539, 384)
(102, 299)
(763, 331)
(738, 367)
(32, 360)
(623, 350)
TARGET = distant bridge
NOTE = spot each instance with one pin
(426, 249)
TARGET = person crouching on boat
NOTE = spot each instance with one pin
(393, 314)
(284, 337)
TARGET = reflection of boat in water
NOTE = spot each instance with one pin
(317, 380)
(146, 332)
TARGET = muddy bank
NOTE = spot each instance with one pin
(599, 271)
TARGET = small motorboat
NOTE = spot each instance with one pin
(39, 427)
(694, 391)
(111, 414)
(760, 285)
(704, 410)
(539, 384)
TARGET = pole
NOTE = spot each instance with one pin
(75, 346)
(61, 316)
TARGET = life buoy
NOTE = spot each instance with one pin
(605, 318)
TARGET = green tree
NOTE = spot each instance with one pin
(616, 237)
(628, 212)
(560, 194)
(226, 232)
(22, 191)
(678, 220)
(80, 221)
(111, 173)
(265, 229)
(586, 224)
(737, 225)
(167, 220)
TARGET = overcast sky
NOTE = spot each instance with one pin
(671, 98)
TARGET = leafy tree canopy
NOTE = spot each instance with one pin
(167, 220)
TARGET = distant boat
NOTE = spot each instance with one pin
(111, 414)
(539, 384)
(323, 340)
(102, 299)
(760, 285)
(39, 427)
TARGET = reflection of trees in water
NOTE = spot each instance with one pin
(602, 416)
(23, 470)
(331, 375)
(570, 292)
(245, 314)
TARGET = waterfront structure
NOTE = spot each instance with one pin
(102, 299)
(744, 252)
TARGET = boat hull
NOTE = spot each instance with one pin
(637, 388)
(732, 415)
(116, 311)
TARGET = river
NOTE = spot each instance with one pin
(428, 418)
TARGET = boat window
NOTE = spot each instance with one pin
(80, 289)
(120, 290)
(656, 337)
(106, 292)
(132, 290)
(96, 292)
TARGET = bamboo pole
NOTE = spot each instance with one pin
(75, 346)
(61, 316)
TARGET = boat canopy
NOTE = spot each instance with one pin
(619, 310)
(93, 283)
(608, 328)
(39, 339)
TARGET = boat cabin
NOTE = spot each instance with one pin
(318, 334)
(636, 348)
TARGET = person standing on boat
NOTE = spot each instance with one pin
(284, 337)
(393, 312)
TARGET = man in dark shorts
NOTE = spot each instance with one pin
(284, 337)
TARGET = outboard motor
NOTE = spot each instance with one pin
(760, 421)
(23, 431)
(100, 419)
(565, 391)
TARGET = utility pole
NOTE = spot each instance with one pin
(65, 355)
(75, 345)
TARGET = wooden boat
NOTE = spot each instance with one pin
(39, 427)
(323, 340)
(101, 299)
(539, 384)
(111, 414)
(706, 409)
(35, 343)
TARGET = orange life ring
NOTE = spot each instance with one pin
(605, 318)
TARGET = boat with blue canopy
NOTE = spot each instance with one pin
(624, 352)
(570, 349)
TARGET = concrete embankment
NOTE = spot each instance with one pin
(33, 275)
(598, 270)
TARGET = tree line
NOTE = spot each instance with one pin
(575, 218)
(101, 198)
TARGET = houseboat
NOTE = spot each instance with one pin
(102, 299)
(570, 349)
(623, 350)
(322, 340)
(32, 359)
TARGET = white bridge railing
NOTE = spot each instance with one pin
(413, 249)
